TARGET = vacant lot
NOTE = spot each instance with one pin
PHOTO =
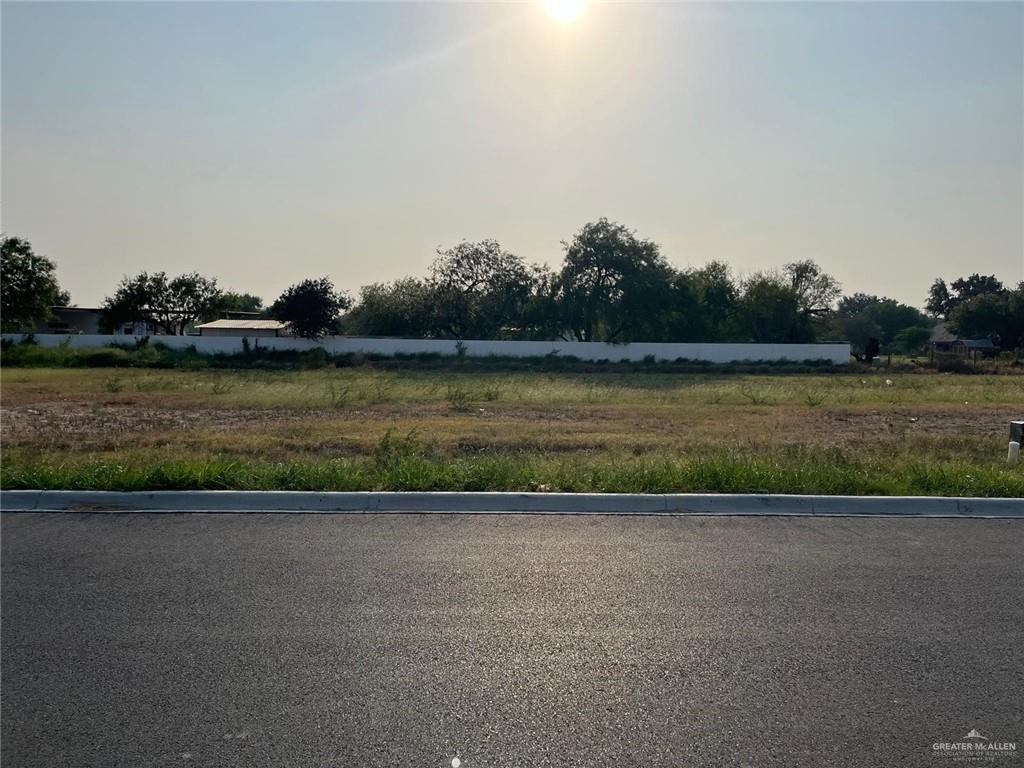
(361, 429)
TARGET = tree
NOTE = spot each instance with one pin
(542, 315)
(28, 285)
(816, 290)
(997, 316)
(402, 308)
(942, 300)
(231, 301)
(893, 317)
(613, 285)
(684, 315)
(172, 304)
(479, 289)
(850, 306)
(886, 318)
(859, 330)
(719, 298)
(771, 310)
(911, 340)
(311, 308)
(938, 303)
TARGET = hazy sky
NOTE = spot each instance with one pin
(264, 143)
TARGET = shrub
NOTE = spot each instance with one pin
(458, 399)
(105, 358)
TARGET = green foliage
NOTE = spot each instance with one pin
(478, 290)
(942, 300)
(996, 316)
(232, 301)
(896, 327)
(912, 340)
(403, 308)
(311, 308)
(172, 305)
(28, 285)
(770, 311)
(401, 463)
(815, 289)
(613, 285)
(458, 398)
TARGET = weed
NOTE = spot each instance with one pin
(458, 398)
(814, 398)
(338, 396)
(154, 384)
(391, 449)
(113, 384)
(755, 397)
(381, 391)
(715, 396)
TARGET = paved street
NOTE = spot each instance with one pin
(353, 641)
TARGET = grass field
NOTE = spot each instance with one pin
(363, 429)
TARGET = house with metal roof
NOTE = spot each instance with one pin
(245, 327)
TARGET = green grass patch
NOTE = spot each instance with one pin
(794, 471)
(455, 428)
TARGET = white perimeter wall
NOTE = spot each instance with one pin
(838, 354)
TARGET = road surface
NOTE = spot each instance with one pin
(353, 641)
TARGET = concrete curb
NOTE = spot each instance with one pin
(506, 503)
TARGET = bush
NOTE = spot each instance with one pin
(951, 364)
(105, 358)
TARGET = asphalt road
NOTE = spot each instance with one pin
(352, 641)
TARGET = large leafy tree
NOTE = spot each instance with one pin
(998, 316)
(232, 301)
(853, 305)
(402, 308)
(311, 308)
(718, 294)
(771, 310)
(684, 316)
(816, 290)
(896, 326)
(943, 299)
(479, 290)
(28, 285)
(893, 317)
(859, 329)
(173, 304)
(912, 340)
(613, 285)
(938, 303)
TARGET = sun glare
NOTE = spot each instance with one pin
(564, 10)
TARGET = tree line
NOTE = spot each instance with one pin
(612, 286)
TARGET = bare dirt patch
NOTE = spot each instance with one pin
(588, 428)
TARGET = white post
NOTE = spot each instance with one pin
(1016, 438)
(1013, 455)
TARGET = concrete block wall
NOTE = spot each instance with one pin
(835, 353)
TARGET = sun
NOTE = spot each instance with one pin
(564, 10)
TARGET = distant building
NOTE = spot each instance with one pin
(943, 341)
(244, 327)
(81, 320)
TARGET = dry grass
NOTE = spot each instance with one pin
(70, 418)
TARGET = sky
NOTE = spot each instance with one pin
(263, 143)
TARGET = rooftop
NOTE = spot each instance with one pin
(249, 325)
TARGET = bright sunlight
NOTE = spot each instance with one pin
(564, 10)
